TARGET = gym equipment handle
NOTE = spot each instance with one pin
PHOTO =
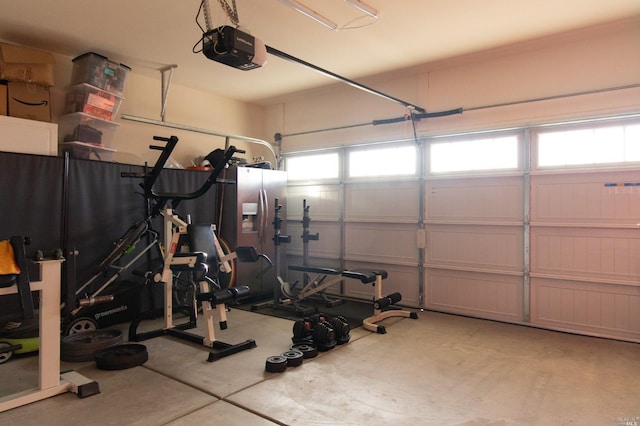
(95, 300)
(387, 301)
(223, 296)
(218, 164)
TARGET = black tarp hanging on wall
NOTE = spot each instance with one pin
(31, 199)
(100, 205)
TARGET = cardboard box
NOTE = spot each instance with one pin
(30, 101)
(3, 98)
(24, 64)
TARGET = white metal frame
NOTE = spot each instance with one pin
(51, 382)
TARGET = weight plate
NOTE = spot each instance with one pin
(83, 346)
(121, 357)
(294, 358)
(276, 364)
(308, 350)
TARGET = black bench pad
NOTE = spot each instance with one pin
(314, 269)
(365, 276)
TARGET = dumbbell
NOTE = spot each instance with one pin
(303, 329)
(341, 329)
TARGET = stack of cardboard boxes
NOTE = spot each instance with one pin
(25, 78)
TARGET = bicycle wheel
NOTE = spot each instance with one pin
(129, 238)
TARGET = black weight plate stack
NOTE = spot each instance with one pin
(308, 350)
(294, 358)
(276, 364)
(121, 357)
(83, 346)
(341, 329)
(324, 337)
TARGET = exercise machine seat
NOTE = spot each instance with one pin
(201, 239)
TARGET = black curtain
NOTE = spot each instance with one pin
(31, 193)
(87, 206)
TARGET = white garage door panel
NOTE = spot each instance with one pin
(587, 253)
(477, 247)
(400, 279)
(490, 296)
(327, 245)
(591, 308)
(480, 199)
(598, 198)
(381, 243)
(382, 202)
(323, 201)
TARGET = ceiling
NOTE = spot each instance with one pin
(148, 35)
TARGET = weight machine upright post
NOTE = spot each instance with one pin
(306, 237)
(277, 240)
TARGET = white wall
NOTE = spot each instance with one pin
(587, 60)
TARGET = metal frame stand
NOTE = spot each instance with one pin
(279, 301)
(314, 285)
(380, 303)
(51, 382)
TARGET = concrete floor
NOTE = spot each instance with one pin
(437, 370)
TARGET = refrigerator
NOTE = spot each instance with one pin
(247, 202)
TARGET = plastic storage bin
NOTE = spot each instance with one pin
(98, 71)
(88, 151)
(92, 100)
(83, 127)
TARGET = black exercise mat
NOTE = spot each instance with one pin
(353, 311)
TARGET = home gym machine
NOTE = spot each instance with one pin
(203, 260)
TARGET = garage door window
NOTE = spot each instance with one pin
(388, 161)
(589, 146)
(312, 167)
(499, 153)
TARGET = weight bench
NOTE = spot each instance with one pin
(323, 279)
(379, 302)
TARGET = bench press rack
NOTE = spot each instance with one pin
(281, 300)
(316, 284)
(324, 278)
